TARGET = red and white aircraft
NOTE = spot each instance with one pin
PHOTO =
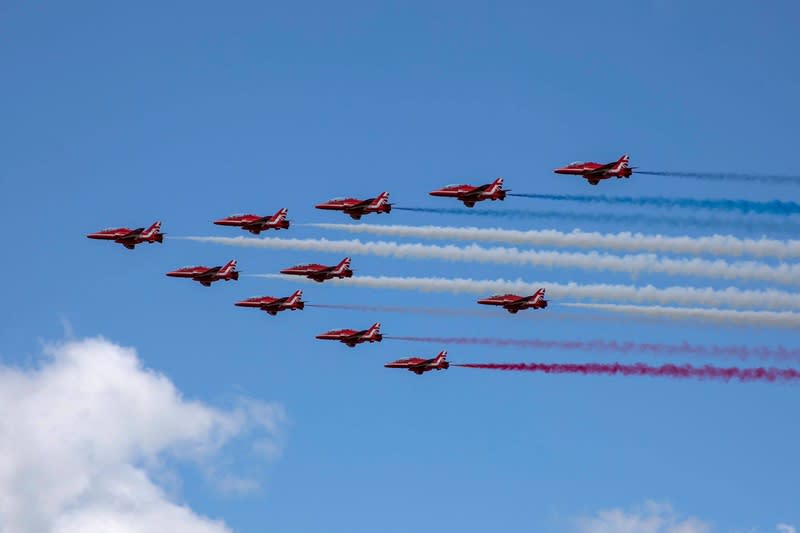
(129, 238)
(357, 208)
(352, 337)
(469, 194)
(418, 365)
(513, 303)
(207, 275)
(274, 305)
(319, 272)
(256, 224)
(594, 172)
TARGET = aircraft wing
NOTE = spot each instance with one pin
(519, 302)
(475, 192)
(600, 170)
(274, 303)
(208, 273)
(132, 235)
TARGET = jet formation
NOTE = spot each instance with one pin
(356, 208)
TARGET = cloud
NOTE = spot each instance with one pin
(652, 517)
(87, 433)
(785, 528)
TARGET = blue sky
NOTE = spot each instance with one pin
(187, 112)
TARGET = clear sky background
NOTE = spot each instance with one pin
(189, 111)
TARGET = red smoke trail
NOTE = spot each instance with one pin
(683, 348)
(641, 369)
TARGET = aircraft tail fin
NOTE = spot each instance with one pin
(538, 295)
(441, 358)
(152, 230)
(229, 267)
(623, 161)
(344, 265)
(380, 200)
(374, 330)
(280, 216)
(497, 185)
(297, 295)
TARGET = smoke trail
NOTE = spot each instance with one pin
(624, 241)
(633, 264)
(687, 221)
(641, 369)
(626, 348)
(730, 297)
(774, 207)
(438, 311)
(433, 311)
(724, 176)
(785, 319)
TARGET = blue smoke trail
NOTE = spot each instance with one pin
(726, 176)
(774, 207)
(628, 220)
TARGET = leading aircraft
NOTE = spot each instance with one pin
(256, 224)
(469, 194)
(418, 365)
(594, 172)
(207, 275)
(352, 337)
(357, 208)
(129, 238)
(513, 303)
(319, 272)
(273, 305)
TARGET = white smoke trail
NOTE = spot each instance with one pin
(730, 297)
(724, 245)
(787, 274)
(786, 319)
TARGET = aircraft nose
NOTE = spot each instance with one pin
(220, 221)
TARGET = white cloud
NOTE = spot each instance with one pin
(786, 528)
(652, 517)
(84, 435)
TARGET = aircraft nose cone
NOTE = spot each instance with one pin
(221, 221)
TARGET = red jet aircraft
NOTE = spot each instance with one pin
(469, 194)
(418, 365)
(129, 238)
(274, 305)
(319, 272)
(513, 303)
(256, 224)
(207, 275)
(357, 208)
(594, 172)
(352, 337)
